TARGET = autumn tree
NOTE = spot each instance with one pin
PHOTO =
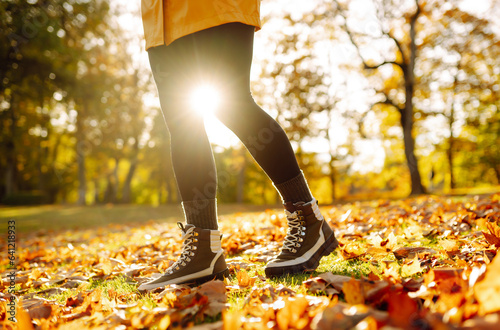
(462, 80)
(397, 26)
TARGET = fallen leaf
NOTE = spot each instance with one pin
(402, 309)
(214, 290)
(487, 290)
(334, 317)
(23, 319)
(337, 281)
(352, 250)
(244, 280)
(493, 237)
(411, 268)
(439, 274)
(411, 252)
(353, 292)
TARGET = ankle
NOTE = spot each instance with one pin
(201, 213)
(295, 190)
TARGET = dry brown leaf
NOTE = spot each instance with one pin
(337, 281)
(334, 317)
(493, 237)
(411, 252)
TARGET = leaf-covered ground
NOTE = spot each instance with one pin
(424, 263)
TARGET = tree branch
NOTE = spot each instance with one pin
(388, 101)
(355, 44)
(398, 45)
(370, 67)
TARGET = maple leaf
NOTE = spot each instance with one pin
(411, 268)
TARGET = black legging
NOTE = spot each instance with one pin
(220, 55)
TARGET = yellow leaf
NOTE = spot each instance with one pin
(392, 242)
(412, 268)
(449, 245)
(164, 323)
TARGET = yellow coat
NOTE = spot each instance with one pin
(167, 20)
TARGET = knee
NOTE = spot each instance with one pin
(184, 126)
(235, 107)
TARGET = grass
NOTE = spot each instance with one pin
(68, 217)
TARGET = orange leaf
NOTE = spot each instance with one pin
(244, 279)
(232, 320)
(353, 292)
(402, 309)
(23, 319)
(487, 291)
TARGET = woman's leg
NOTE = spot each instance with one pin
(309, 237)
(228, 54)
(176, 70)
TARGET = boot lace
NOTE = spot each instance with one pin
(188, 237)
(296, 231)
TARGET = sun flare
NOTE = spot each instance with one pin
(205, 100)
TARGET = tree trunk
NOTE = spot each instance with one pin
(10, 157)
(407, 113)
(170, 191)
(409, 144)
(116, 182)
(496, 168)
(240, 183)
(80, 159)
(126, 191)
(331, 166)
(160, 190)
(109, 193)
(96, 192)
(449, 152)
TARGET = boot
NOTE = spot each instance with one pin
(201, 259)
(308, 239)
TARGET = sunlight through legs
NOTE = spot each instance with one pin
(205, 99)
